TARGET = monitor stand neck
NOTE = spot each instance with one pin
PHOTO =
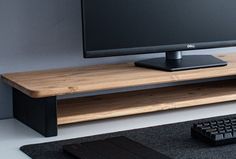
(175, 55)
(174, 61)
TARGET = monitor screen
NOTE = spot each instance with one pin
(120, 27)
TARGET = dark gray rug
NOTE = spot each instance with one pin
(173, 140)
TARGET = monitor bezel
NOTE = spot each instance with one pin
(148, 49)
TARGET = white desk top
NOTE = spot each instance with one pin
(13, 134)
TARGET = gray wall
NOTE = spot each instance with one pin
(41, 34)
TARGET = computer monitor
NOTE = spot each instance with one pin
(127, 27)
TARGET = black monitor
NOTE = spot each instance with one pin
(125, 27)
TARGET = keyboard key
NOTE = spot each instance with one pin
(206, 124)
(218, 136)
(220, 122)
(198, 125)
(233, 120)
(222, 131)
(210, 134)
(221, 125)
(213, 123)
(226, 121)
(234, 134)
(211, 130)
(228, 135)
(214, 127)
(228, 124)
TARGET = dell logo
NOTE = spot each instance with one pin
(191, 46)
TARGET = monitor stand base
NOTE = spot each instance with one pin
(174, 61)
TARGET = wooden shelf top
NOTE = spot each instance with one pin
(38, 84)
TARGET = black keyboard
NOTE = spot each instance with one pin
(216, 132)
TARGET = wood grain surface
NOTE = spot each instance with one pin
(38, 84)
(145, 101)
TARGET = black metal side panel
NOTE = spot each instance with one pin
(38, 113)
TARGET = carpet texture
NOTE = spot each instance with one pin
(173, 140)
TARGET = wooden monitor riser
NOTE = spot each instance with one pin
(35, 92)
(38, 84)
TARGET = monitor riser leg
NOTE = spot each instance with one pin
(38, 113)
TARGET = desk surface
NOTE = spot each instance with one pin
(14, 134)
(56, 82)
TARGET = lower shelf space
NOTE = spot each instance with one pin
(145, 101)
